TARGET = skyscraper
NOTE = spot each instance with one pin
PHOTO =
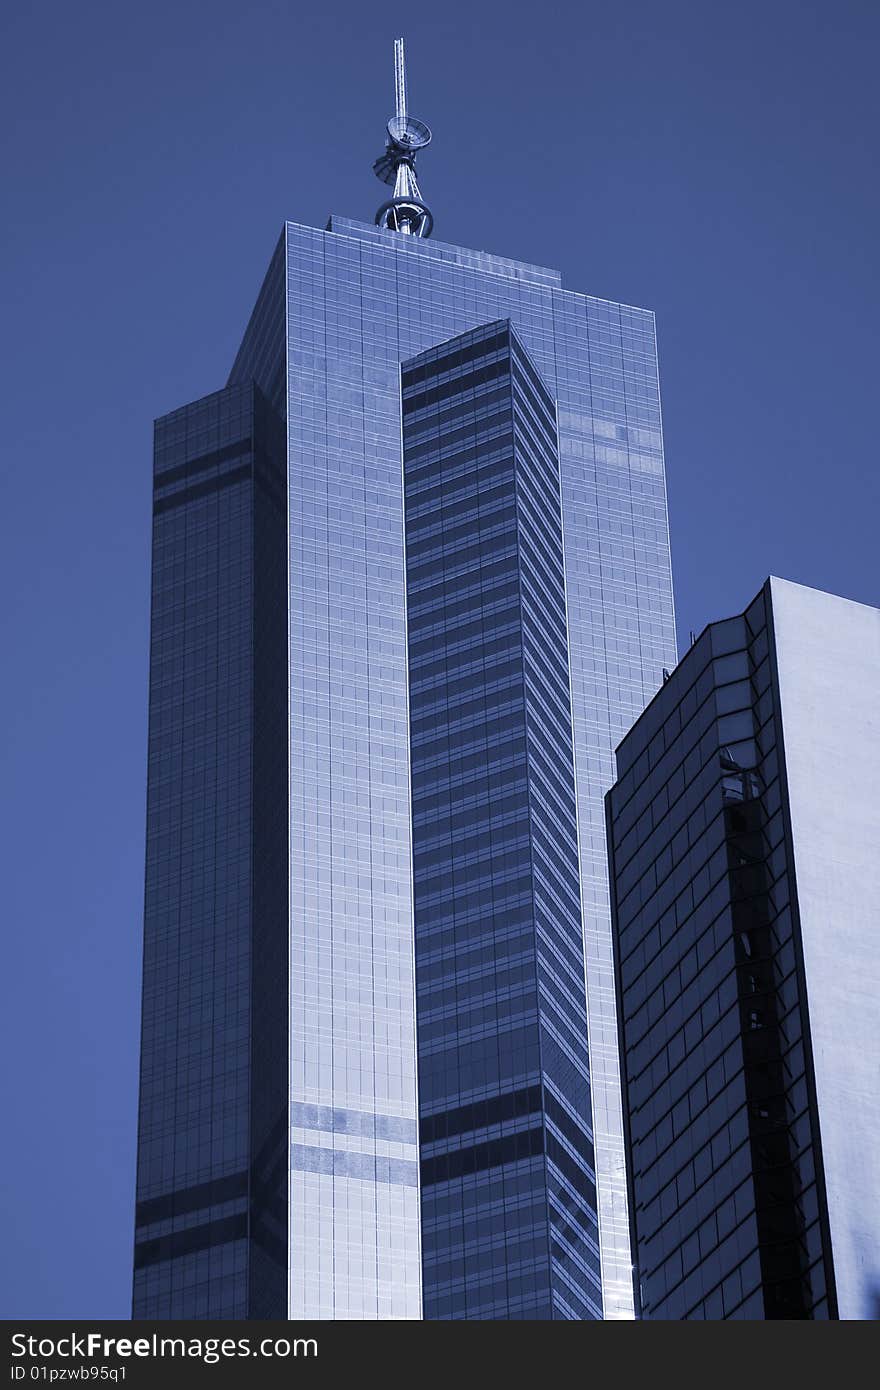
(743, 834)
(399, 1046)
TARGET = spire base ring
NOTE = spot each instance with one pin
(406, 214)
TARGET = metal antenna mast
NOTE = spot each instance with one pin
(399, 80)
(404, 212)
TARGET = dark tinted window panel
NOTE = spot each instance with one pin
(212, 1147)
(508, 1186)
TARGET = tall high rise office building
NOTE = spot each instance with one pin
(744, 832)
(411, 585)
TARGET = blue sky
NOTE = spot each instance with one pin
(714, 163)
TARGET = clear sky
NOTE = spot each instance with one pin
(714, 162)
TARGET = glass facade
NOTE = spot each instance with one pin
(726, 969)
(339, 311)
(509, 1227)
(211, 1186)
(359, 302)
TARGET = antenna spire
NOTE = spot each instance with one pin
(404, 212)
(399, 80)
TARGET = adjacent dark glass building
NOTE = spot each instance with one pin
(743, 834)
